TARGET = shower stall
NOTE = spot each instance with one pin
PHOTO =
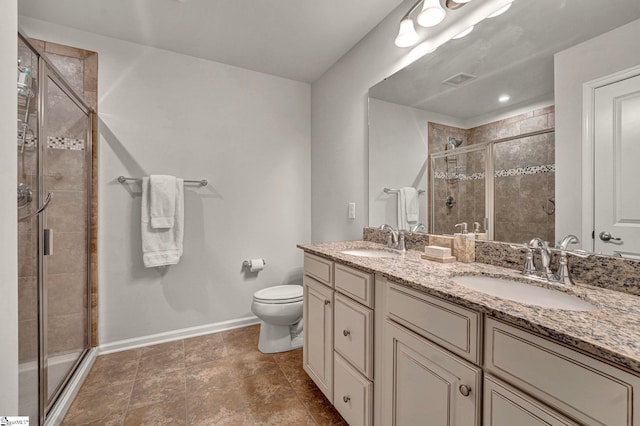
(54, 137)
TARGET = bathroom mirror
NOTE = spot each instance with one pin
(440, 125)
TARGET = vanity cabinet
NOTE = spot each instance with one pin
(579, 386)
(338, 336)
(505, 405)
(422, 382)
(387, 354)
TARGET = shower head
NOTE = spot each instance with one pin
(453, 143)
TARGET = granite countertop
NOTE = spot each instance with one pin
(611, 332)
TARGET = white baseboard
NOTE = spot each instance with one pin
(57, 413)
(154, 339)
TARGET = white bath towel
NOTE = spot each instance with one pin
(162, 246)
(407, 207)
(162, 200)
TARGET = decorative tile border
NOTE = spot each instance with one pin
(60, 142)
(520, 171)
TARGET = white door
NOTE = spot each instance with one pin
(617, 167)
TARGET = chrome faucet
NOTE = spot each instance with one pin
(569, 239)
(396, 238)
(419, 227)
(562, 276)
(545, 256)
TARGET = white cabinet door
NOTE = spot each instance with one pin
(616, 155)
(506, 406)
(425, 385)
(318, 335)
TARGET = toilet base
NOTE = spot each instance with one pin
(278, 338)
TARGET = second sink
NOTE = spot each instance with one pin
(526, 294)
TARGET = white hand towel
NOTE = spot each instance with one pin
(407, 207)
(162, 201)
(162, 246)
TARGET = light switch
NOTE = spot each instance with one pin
(352, 210)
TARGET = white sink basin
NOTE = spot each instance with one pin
(371, 253)
(524, 293)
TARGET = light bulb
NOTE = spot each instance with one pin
(504, 98)
(407, 36)
(463, 33)
(500, 11)
(432, 13)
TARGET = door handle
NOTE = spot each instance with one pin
(606, 236)
(40, 210)
(48, 242)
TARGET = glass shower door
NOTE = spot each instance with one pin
(28, 236)
(65, 174)
(459, 189)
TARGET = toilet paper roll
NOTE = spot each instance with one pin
(256, 265)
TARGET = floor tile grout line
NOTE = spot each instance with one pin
(133, 385)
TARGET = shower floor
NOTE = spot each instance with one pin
(28, 382)
(218, 378)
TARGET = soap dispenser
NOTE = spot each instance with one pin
(479, 235)
(464, 244)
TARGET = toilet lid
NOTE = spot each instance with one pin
(279, 294)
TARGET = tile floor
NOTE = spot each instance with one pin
(217, 379)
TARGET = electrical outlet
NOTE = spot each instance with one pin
(352, 210)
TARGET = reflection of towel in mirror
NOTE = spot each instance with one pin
(407, 207)
(162, 246)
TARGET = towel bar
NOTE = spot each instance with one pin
(202, 182)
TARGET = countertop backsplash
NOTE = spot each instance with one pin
(613, 273)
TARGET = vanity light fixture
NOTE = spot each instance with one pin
(432, 13)
(407, 36)
(463, 33)
(504, 98)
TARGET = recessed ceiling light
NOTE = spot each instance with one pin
(504, 98)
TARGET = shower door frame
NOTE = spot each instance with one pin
(46, 71)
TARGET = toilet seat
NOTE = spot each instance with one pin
(279, 294)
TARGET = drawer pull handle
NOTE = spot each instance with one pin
(346, 399)
(326, 302)
(465, 390)
(346, 333)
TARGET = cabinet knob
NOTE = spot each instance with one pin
(345, 333)
(326, 302)
(346, 399)
(465, 390)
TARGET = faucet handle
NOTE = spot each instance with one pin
(401, 242)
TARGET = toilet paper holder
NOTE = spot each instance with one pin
(247, 263)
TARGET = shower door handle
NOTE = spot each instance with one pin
(48, 242)
(40, 210)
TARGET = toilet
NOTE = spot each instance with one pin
(280, 311)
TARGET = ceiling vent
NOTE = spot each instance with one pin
(459, 79)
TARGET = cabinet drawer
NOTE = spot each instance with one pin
(451, 326)
(589, 390)
(353, 394)
(507, 406)
(355, 284)
(319, 268)
(353, 331)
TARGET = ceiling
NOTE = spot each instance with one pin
(295, 39)
(510, 54)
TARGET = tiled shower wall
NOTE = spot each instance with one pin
(67, 179)
(524, 182)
